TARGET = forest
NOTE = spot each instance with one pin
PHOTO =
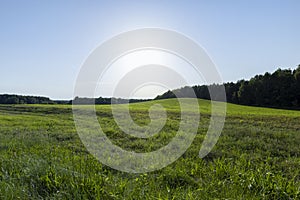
(280, 89)
(20, 99)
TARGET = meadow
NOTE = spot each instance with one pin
(42, 157)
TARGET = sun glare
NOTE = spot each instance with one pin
(133, 60)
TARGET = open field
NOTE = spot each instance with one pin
(256, 157)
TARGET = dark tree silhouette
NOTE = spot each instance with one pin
(280, 89)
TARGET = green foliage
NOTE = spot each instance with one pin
(256, 157)
(280, 89)
(103, 101)
(18, 99)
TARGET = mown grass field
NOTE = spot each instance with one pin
(256, 157)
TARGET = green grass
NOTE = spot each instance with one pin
(256, 157)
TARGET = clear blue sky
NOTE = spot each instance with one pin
(44, 43)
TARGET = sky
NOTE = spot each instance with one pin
(43, 44)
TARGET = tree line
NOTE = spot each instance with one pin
(19, 99)
(280, 89)
(102, 100)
